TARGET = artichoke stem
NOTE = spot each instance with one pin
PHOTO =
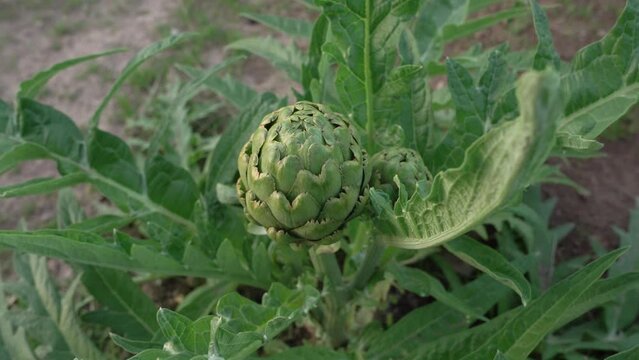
(369, 265)
(334, 319)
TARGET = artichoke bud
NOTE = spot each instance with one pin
(303, 174)
(398, 164)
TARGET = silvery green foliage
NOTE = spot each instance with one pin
(171, 210)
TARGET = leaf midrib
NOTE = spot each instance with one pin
(94, 175)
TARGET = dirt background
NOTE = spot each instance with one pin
(35, 34)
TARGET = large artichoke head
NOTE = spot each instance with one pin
(404, 163)
(303, 174)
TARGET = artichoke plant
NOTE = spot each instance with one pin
(303, 174)
(404, 163)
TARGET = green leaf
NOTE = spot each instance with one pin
(234, 91)
(546, 53)
(404, 100)
(603, 82)
(458, 344)
(5, 116)
(287, 58)
(87, 248)
(41, 185)
(62, 310)
(626, 355)
(489, 261)
(453, 31)
(470, 114)
(48, 127)
(243, 326)
(115, 291)
(366, 36)
(625, 310)
(431, 322)
(31, 87)
(311, 78)
(231, 260)
(201, 301)
(223, 160)
(13, 341)
(135, 62)
(422, 284)
(310, 353)
(183, 334)
(134, 346)
(171, 186)
(19, 153)
(157, 354)
(496, 167)
(111, 156)
(102, 224)
(289, 26)
(431, 21)
(522, 334)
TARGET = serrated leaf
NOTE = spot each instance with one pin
(603, 82)
(366, 36)
(243, 326)
(457, 345)
(13, 341)
(42, 185)
(624, 312)
(430, 322)
(422, 284)
(496, 168)
(231, 89)
(90, 249)
(171, 186)
(222, 162)
(62, 310)
(523, 333)
(115, 291)
(184, 335)
(135, 62)
(489, 261)
(31, 87)
(404, 97)
(289, 26)
(546, 55)
(287, 58)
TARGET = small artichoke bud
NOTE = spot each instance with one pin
(303, 174)
(404, 163)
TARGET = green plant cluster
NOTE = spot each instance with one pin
(445, 181)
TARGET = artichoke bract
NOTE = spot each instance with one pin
(303, 174)
(404, 163)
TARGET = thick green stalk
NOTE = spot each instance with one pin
(333, 317)
(369, 265)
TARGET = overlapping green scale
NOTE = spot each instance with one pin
(303, 174)
(404, 163)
